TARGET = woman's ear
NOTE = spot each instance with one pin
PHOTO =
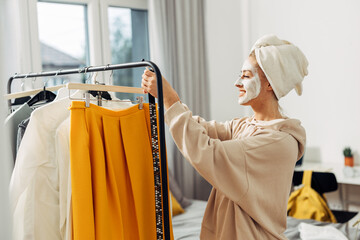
(269, 87)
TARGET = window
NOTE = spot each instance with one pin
(129, 43)
(74, 33)
(63, 38)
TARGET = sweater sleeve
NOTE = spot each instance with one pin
(217, 130)
(221, 163)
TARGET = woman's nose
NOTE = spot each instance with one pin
(238, 82)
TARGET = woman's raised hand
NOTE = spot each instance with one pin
(149, 85)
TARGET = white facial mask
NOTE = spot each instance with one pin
(252, 85)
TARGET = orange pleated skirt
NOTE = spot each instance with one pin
(112, 176)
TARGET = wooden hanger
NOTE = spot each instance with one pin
(31, 92)
(99, 87)
(102, 88)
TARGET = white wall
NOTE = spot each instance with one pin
(225, 55)
(328, 33)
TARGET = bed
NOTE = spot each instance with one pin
(187, 225)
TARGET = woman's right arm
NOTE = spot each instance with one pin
(216, 130)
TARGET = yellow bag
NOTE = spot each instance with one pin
(306, 203)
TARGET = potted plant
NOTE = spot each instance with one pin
(349, 158)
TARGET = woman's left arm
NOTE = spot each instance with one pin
(214, 129)
(149, 85)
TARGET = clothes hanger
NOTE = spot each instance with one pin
(31, 92)
(100, 87)
(100, 94)
(104, 88)
(43, 96)
(63, 92)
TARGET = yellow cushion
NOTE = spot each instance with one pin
(176, 207)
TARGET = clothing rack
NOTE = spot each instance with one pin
(161, 191)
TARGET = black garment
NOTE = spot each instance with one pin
(21, 131)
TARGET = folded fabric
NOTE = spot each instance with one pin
(283, 64)
(310, 232)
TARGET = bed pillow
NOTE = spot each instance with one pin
(176, 191)
(175, 206)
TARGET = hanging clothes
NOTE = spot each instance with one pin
(11, 126)
(39, 186)
(112, 174)
(13, 121)
(62, 146)
(62, 137)
(34, 184)
(21, 131)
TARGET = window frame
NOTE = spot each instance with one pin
(106, 45)
(98, 31)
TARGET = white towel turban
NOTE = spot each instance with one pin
(284, 65)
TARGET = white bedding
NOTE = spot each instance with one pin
(187, 225)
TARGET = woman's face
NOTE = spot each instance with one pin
(249, 83)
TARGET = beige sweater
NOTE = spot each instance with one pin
(250, 165)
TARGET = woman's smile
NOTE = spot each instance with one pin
(242, 92)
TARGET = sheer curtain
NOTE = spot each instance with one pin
(5, 166)
(177, 46)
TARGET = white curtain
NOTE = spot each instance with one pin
(177, 46)
(5, 166)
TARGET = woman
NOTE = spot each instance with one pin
(248, 161)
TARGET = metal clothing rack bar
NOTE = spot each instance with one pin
(161, 127)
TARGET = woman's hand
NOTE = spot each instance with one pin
(149, 85)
